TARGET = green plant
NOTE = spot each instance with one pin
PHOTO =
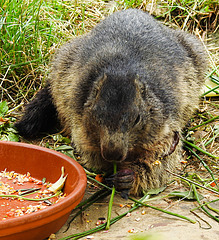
(191, 14)
(30, 31)
(7, 132)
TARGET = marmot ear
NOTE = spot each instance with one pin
(98, 83)
(140, 87)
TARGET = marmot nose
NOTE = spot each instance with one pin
(112, 154)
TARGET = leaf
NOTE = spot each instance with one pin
(66, 140)
(57, 137)
(216, 129)
(4, 138)
(13, 137)
(187, 195)
(69, 154)
(64, 148)
(60, 138)
(156, 190)
(12, 130)
(3, 108)
(58, 185)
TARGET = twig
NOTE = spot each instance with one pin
(188, 180)
(212, 72)
(91, 198)
(29, 191)
(204, 204)
(202, 207)
(101, 184)
(210, 120)
(190, 14)
(84, 205)
(202, 220)
(214, 79)
(212, 208)
(21, 64)
(200, 149)
(210, 90)
(29, 199)
(102, 226)
(111, 201)
(204, 164)
(90, 173)
(165, 211)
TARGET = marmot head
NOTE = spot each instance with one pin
(122, 114)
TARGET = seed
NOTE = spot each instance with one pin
(143, 212)
(90, 237)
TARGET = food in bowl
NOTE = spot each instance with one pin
(22, 194)
(41, 162)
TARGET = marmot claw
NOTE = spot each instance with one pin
(123, 181)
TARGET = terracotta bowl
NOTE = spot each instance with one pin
(41, 162)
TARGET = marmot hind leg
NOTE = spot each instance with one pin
(40, 115)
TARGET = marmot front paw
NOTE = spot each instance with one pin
(123, 181)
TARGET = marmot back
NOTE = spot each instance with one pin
(124, 91)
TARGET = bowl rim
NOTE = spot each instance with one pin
(58, 207)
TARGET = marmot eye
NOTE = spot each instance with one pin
(137, 120)
(151, 110)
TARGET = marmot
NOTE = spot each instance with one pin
(124, 91)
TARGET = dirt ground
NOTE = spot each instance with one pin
(149, 224)
(146, 222)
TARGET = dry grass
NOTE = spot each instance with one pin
(32, 30)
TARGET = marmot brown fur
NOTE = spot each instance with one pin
(125, 90)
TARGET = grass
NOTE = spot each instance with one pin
(191, 15)
(31, 30)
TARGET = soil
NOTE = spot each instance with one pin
(153, 223)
